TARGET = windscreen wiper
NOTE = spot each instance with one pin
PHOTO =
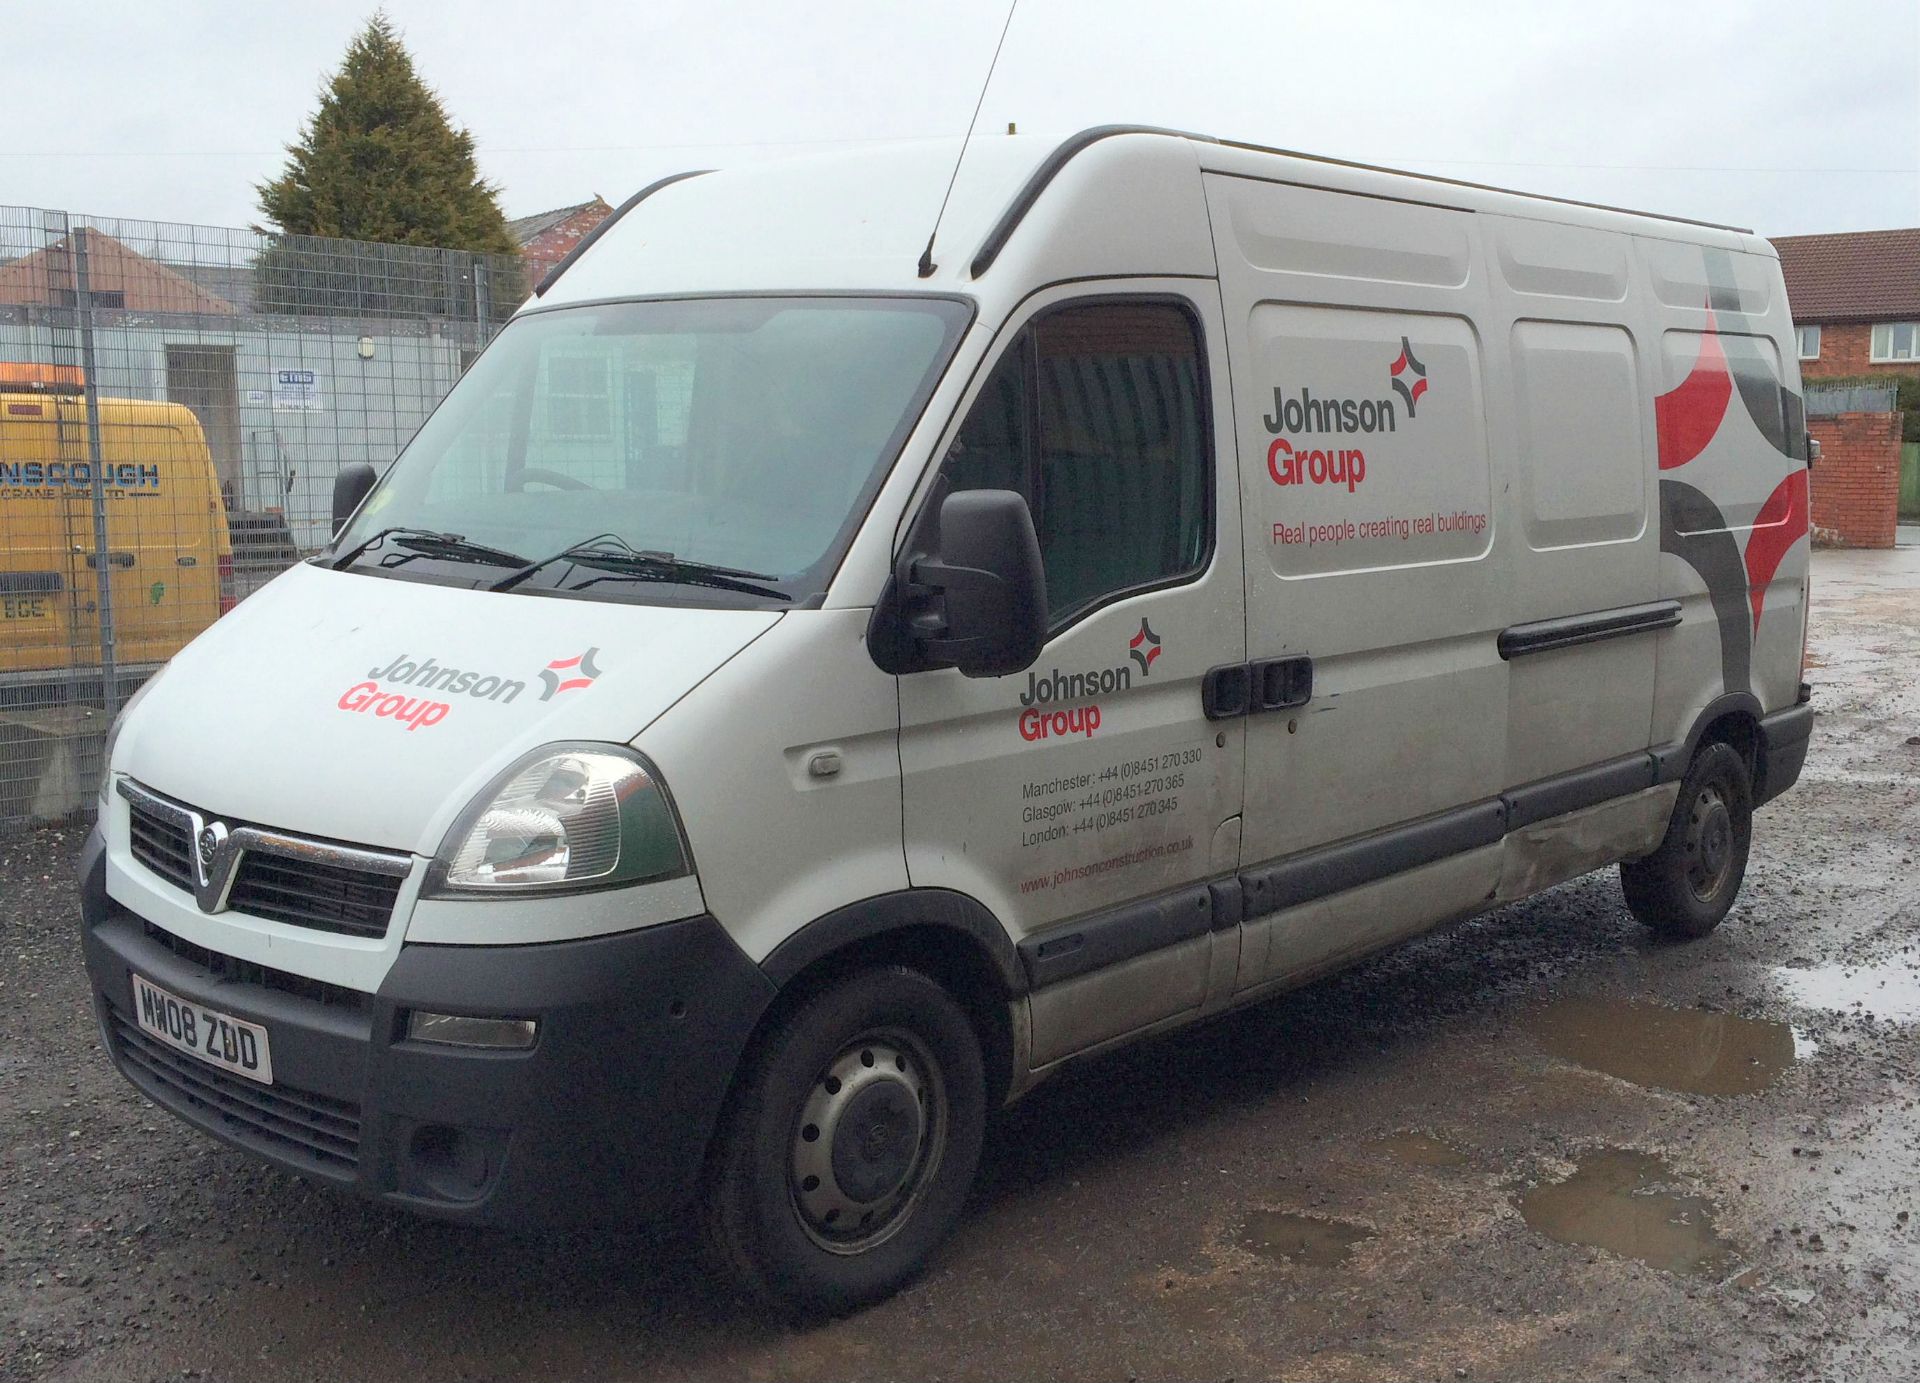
(427, 542)
(612, 554)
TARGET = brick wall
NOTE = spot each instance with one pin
(553, 244)
(1844, 348)
(1855, 493)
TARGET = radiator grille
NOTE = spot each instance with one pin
(317, 1132)
(326, 885)
(233, 970)
(307, 893)
(162, 845)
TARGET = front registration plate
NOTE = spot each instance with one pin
(220, 1039)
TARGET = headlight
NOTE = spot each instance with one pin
(565, 817)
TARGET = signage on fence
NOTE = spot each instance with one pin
(298, 391)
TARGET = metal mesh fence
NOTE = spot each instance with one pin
(1825, 400)
(175, 402)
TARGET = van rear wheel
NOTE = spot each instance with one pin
(846, 1152)
(1684, 888)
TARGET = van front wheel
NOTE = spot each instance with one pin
(1686, 886)
(846, 1152)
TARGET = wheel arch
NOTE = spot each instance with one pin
(1733, 718)
(947, 935)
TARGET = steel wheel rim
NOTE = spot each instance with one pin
(867, 1141)
(1709, 843)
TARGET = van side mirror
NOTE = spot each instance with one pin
(976, 599)
(349, 488)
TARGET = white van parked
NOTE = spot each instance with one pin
(797, 691)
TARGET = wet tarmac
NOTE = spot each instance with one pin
(1544, 1145)
(1631, 1204)
(1692, 1050)
(1302, 1239)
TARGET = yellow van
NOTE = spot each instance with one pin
(169, 555)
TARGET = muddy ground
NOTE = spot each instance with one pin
(1540, 1146)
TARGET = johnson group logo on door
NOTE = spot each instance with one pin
(1409, 376)
(1044, 718)
(1372, 440)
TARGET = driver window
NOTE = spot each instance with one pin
(1095, 415)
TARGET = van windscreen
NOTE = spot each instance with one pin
(742, 434)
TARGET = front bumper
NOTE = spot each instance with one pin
(605, 1118)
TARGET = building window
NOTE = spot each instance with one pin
(107, 299)
(1808, 338)
(1895, 341)
(1097, 415)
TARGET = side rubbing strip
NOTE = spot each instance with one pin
(1586, 787)
(1118, 934)
(586, 241)
(1338, 868)
(1570, 630)
(1023, 201)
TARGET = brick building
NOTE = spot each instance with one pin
(1856, 302)
(546, 238)
(1856, 312)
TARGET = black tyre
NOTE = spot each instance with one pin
(847, 1148)
(1686, 886)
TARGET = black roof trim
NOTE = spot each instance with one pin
(586, 241)
(1023, 201)
(1036, 184)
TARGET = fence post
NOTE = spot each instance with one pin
(102, 555)
(482, 300)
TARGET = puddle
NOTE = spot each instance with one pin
(1688, 1050)
(1420, 1150)
(1890, 989)
(1625, 1202)
(1288, 1238)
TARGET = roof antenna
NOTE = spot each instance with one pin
(927, 266)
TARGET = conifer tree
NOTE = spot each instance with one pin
(379, 161)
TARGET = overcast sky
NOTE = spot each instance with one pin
(1788, 117)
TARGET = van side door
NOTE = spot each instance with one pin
(1376, 746)
(1088, 801)
(1575, 415)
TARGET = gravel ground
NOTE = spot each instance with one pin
(1538, 1146)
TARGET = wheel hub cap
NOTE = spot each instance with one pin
(1709, 843)
(860, 1148)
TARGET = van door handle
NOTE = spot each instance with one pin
(1242, 689)
(1227, 691)
(114, 559)
(1281, 684)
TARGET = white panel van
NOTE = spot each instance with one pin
(797, 692)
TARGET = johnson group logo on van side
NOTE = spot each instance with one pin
(1291, 463)
(1408, 375)
(1038, 721)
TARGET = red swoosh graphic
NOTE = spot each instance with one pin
(1781, 522)
(1687, 417)
(573, 682)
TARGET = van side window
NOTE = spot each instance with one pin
(1095, 415)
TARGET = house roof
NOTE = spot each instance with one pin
(145, 285)
(527, 229)
(1859, 276)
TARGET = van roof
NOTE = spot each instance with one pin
(30, 376)
(1109, 200)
